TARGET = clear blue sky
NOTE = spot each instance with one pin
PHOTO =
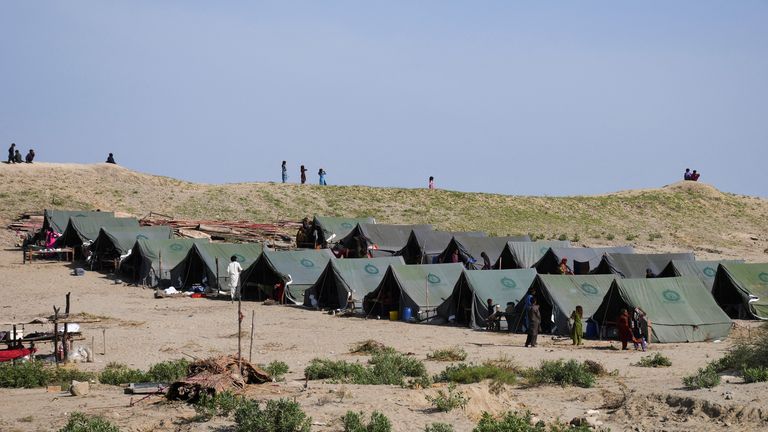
(509, 97)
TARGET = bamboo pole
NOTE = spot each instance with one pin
(250, 349)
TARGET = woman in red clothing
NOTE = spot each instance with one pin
(625, 331)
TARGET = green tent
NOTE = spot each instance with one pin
(632, 266)
(526, 254)
(333, 229)
(742, 290)
(704, 270)
(303, 267)
(206, 263)
(83, 230)
(422, 288)
(114, 242)
(470, 249)
(468, 303)
(423, 247)
(679, 309)
(342, 278)
(57, 220)
(151, 260)
(558, 296)
(580, 260)
(379, 239)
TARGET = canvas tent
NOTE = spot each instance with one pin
(704, 270)
(526, 254)
(423, 247)
(83, 230)
(581, 260)
(350, 278)
(468, 301)
(422, 288)
(151, 260)
(558, 296)
(470, 249)
(379, 239)
(679, 309)
(114, 242)
(206, 264)
(333, 229)
(302, 266)
(57, 220)
(634, 265)
(742, 290)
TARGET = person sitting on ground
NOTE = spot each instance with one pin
(695, 175)
(233, 271)
(455, 256)
(577, 331)
(11, 153)
(494, 319)
(30, 156)
(111, 159)
(687, 175)
(564, 269)
(486, 261)
(649, 274)
(17, 157)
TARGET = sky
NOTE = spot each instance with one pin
(520, 98)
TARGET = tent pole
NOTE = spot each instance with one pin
(217, 274)
(160, 267)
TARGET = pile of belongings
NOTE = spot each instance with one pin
(214, 375)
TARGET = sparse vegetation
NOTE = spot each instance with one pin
(221, 404)
(516, 422)
(630, 237)
(118, 373)
(448, 354)
(654, 236)
(749, 357)
(610, 237)
(388, 367)
(463, 373)
(561, 372)
(654, 361)
(79, 422)
(438, 427)
(370, 347)
(450, 400)
(353, 422)
(705, 377)
(278, 415)
(36, 374)
(276, 369)
(752, 375)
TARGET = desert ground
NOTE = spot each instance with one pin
(141, 330)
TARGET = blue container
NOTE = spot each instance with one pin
(407, 314)
(591, 330)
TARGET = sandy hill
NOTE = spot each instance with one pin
(681, 216)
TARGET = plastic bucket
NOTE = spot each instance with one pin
(407, 314)
(393, 315)
(591, 330)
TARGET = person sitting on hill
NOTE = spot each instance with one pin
(486, 261)
(30, 156)
(564, 269)
(695, 175)
(17, 157)
(111, 159)
(687, 175)
(649, 274)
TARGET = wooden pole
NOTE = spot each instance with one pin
(160, 267)
(56, 334)
(217, 275)
(426, 294)
(250, 349)
(239, 335)
(64, 345)
(104, 341)
(66, 308)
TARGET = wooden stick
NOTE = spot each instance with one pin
(239, 335)
(218, 288)
(66, 308)
(56, 334)
(250, 350)
(104, 340)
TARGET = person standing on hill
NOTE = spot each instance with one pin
(431, 183)
(303, 175)
(285, 173)
(322, 174)
(30, 156)
(111, 159)
(11, 153)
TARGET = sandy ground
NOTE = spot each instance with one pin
(141, 330)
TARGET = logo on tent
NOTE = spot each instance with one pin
(589, 289)
(239, 257)
(79, 215)
(307, 263)
(763, 277)
(433, 279)
(371, 269)
(346, 225)
(671, 296)
(176, 247)
(142, 236)
(509, 283)
(709, 272)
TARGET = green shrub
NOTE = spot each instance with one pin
(118, 373)
(561, 372)
(36, 374)
(515, 422)
(169, 371)
(758, 374)
(448, 354)
(438, 427)
(353, 422)
(386, 367)
(277, 369)
(79, 422)
(447, 401)
(655, 360)
(653, 236)
(281, 415)
(338, 371)
(370, 347)
(706, 377)
(631, 237)
(575, 238)
(463, 373)
(221, 404)
(610, 237)
(562, 237)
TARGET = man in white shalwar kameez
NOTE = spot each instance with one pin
(233, 270)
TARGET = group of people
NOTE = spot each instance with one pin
(303, 174)
(691, 175)
(633, 329)
(14, 155)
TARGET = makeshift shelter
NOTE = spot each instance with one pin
(302, 267)
(419, 288)
(704, 270)
(423, 247)
(206, 264)
(347, 280)
(679, 309)
(526, 254)
(468, 303)
(379, 239)
(581, 260)
(558, 296)
(470, 249)
(742, 290)
(57, 220)
(633, 265)
(83, 230)
(114, 242)
(151, 260)
(333, 229)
